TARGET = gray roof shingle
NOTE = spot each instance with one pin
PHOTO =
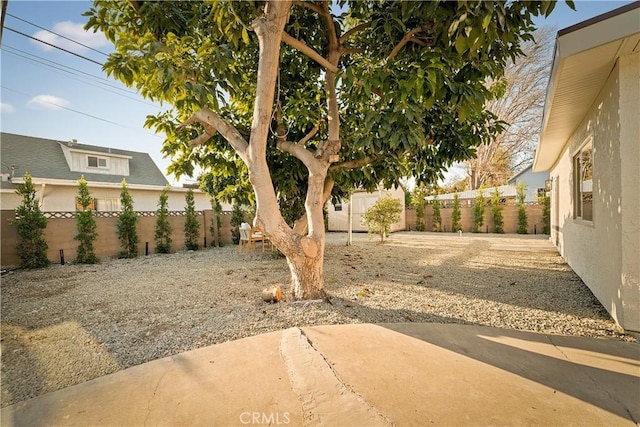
(44, 158)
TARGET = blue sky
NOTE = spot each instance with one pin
(38, 96)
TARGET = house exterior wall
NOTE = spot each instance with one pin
(77, 160)
(361, 201)
(62, 198)
(534, 181)
(604, 252)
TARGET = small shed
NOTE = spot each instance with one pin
(361, 201)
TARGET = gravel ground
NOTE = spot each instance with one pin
(64, 325)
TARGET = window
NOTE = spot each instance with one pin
(108, 205)
(338, 207)
(91, 207)
(583, 182)
(96, 162)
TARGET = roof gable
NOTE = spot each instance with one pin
(45, 159)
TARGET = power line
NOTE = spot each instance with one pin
(52, 45)
(59, 35)
(75, 72)
(76, 111)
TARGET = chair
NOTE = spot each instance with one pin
(256, 235)
(244, 230)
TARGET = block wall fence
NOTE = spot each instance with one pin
(61, 230)
(509, 215)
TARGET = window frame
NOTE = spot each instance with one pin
(578, 161)
(98, 159)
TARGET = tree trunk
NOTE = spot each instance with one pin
(307, 275)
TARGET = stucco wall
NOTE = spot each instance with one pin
(594, 249)
(339, 220)
(59, 198)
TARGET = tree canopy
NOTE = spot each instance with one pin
(307, 99)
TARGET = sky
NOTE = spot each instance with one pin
(49, 93)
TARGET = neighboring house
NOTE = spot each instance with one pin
(360, 202)
(590, 142)
(535, 182)
(56, 166)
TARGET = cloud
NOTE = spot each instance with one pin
(6, 108)
(73, 31)
(48, 102)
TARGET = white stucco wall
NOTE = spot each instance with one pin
(604, 252)
(361, 201)
(59, 198)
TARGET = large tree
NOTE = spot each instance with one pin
(307, 99)
(521, 107)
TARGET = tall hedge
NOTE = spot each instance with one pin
(85, 225)
(163, 229)
(127, 224)
(191, 225)
(30, 225)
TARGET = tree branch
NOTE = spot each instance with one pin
(308, 5)
(300, 153)
(308, 136)
(331, 28)
(354, 30)
(407, 37)
(213, 122)
(302, 47)
(353, 164)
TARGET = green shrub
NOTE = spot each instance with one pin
(379, 217)
(237, 218)
(496, 212)
(523, 223)
(418, 201)
(30, 225)
(436, 221)
(216, 221)
(85, 224)
(163, 230)
(546, 214)
(191, 225)
(127, 224)
(456, 214)
(478, 212)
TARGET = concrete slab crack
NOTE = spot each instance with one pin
(598, 385)
(325, 398)
(155, 391)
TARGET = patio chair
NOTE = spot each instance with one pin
(256, 235)
(244, 230)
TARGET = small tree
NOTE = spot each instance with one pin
(436, 222)
(523, 224)
(418, 201)
(163, 229)
(30, 225)
(496, 212)
(216, 221)
(191, 225)
(478, 212)
(85, 224)
(456, 214)
(127, 222)
(379, 217)
(546, 213)
(237, 218)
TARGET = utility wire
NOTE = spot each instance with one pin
(101, 83)
(78, 112)
(59, 35)
(52, 45)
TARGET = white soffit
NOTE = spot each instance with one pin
(584, 57)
